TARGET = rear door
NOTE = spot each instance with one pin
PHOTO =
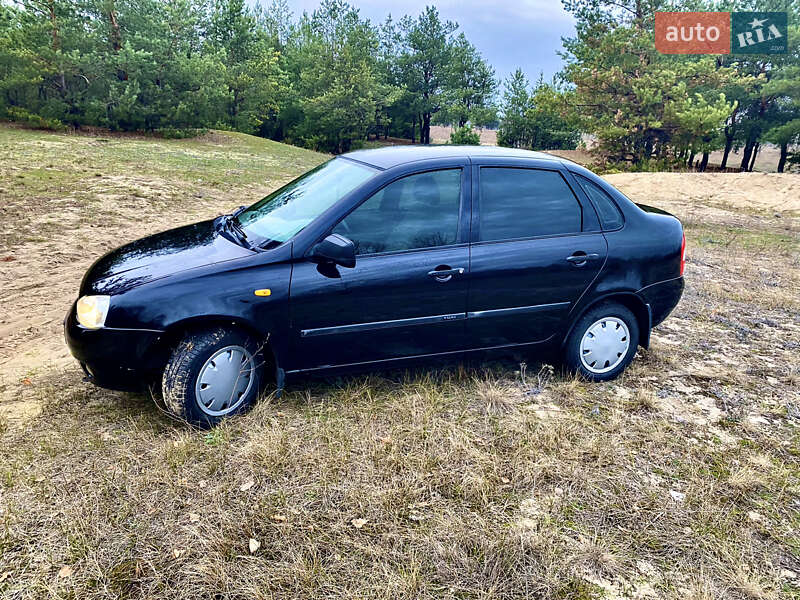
(407, 295)
(535, 250)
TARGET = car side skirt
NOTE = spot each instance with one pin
(405, 359)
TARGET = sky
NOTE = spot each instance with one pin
(509, 34)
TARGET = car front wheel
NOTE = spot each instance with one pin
(603, 342)
(211, 375)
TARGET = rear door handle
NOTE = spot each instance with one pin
(445, 274)
(580, 258)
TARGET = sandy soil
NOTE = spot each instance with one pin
(768, 193)
(39, 279)
(69, 212)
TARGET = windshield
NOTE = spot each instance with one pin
(288, 210)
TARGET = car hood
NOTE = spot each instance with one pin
(159, 256)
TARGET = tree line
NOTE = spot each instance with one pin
(331, 79)
(652, 110)
(325, 80)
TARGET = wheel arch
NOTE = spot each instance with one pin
(180, 329)
(640, 309)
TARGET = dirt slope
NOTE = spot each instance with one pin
(68, 199)
(751, 193)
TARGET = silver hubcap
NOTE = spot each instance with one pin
(605, 344)
(224, 380)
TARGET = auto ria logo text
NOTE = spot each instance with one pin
(721, 32)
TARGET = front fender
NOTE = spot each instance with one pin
(212, 296)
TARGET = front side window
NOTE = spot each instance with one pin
(521, 203)
(286, 211)
(418, 211)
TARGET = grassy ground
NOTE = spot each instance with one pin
(680, 480)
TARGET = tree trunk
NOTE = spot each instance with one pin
(746, 154)
(639, 14)
(51, 6)
(234, 108)
(703, 162)
(730, 132)
(414, 130)
(648, 147)
(784, 154)
(116, 35)
(426, 128)
(728, 146)
(691, 159)
(756, 148)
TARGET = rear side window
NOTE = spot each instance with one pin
(607, 210)
(521, 203)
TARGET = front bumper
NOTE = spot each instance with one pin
(117, 359)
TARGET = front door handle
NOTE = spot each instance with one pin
(444, 273)
(581, 258)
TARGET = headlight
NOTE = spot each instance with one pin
(92, 311)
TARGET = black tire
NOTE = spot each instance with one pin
(179, 381)
(572, 347)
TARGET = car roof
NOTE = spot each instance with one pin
(392, 156)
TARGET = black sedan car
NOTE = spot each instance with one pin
(378, 257)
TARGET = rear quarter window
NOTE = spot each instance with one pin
(607, 210)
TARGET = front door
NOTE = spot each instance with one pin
(406, 296)
(532, 256)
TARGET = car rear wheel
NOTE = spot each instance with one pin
(212, 375)
(603, 342)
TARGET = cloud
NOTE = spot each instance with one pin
(529, 12)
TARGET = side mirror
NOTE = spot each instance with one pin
(335, 249)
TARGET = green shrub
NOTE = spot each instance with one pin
(465, 136)
(29, 119)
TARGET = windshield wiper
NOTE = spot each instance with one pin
(231, 224)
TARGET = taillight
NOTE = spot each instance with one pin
(683, 253)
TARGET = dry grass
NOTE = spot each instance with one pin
(680, 480)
